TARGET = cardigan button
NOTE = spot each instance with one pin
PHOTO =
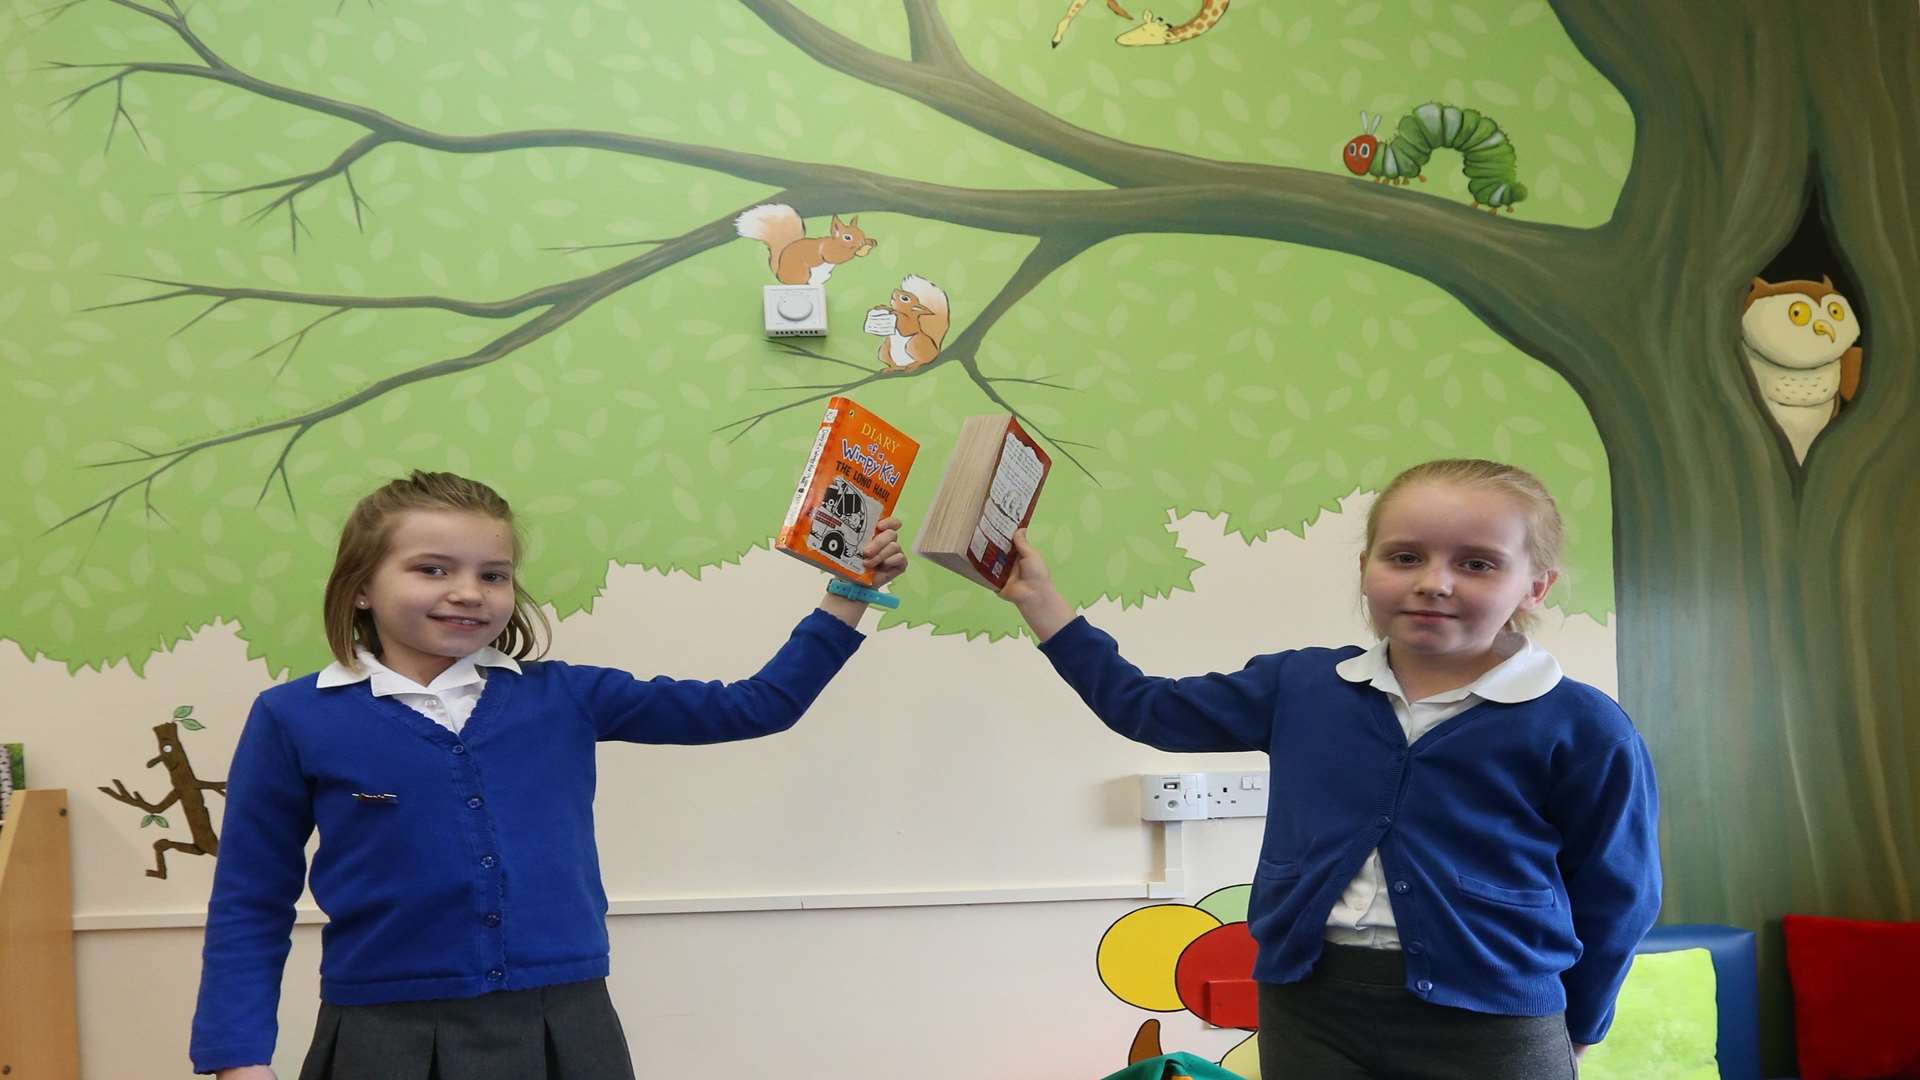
(475, 803)
(496, 975)
(488, 861)
(1415, 948)
(1424, 985)
(1384, 820)
(1401, 887)
(492, 919)
(459, 748)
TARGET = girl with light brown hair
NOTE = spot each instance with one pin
(450, 774)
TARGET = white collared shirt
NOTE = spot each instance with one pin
(448, 701)
(1364, 915)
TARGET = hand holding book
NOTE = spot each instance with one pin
(1030, 588)
(884, 558)
(991, 486)
(883, 553)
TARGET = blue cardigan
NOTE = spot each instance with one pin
(479, 873)
(1521, 841)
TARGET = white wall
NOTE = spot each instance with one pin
(931, 765)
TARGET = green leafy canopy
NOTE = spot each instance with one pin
(1172, 374)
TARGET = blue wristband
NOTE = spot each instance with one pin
(843, 587)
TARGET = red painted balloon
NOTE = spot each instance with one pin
(1224, 952)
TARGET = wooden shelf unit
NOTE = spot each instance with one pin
(39, 1020)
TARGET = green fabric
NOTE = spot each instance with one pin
(1183, 1065)
(1664, 1024)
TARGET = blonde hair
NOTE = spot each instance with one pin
(1544, 529)
(368, 534)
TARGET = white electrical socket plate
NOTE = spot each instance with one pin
(1173, 797)
(1202, 796)
(1236, 794)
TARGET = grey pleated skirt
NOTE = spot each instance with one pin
(565, 1032)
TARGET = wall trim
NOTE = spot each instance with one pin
(678, 905)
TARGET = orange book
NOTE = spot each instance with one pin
(853, 479)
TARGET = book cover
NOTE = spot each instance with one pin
(990, 488)
(852, 480)
(13, 773)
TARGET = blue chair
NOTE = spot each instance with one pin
(1736, 981)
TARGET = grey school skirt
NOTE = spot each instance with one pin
(565, 1032)
(1352, 1018)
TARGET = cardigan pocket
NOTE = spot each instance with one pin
(1529, 898)
(1277, 871)
(1274, 885)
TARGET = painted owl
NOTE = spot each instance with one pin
(1798, 338)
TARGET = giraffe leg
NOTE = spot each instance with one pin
(1114, 6)
(1060, 31)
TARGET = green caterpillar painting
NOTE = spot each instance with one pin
(1486, 152)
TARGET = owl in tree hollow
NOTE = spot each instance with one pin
(1798, 338)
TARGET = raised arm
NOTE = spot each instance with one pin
(688, 711)
(1217, 712)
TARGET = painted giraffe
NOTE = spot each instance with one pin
(1073, 9)
(1153, 30)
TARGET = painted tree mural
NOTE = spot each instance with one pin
(354, 240)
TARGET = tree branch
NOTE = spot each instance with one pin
(119, 793)
(939, 77)
(1398, 224)
(298, 338)
(796, 349)
(563, 303)
(480, 309)
(748, 423)
(1049, 255)
(297, 185)
(930, 41)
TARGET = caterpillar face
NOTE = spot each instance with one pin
(1359, 154)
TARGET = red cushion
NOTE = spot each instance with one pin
(1856, 994)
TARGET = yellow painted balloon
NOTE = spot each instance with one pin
(1139, 952)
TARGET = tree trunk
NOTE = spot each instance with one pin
(1766, 639)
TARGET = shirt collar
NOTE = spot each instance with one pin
(383, 680)
(1528, 672)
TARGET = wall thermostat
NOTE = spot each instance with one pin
(794, 310)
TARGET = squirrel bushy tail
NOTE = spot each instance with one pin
(934, 299)
(773, 224)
